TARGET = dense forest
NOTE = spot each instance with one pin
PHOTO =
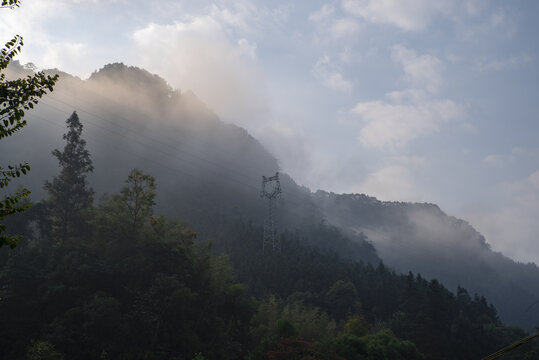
(109, 278)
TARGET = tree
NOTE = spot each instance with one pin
(121, 215)
(43, 350)
(138, 196)
(16, 96)
(70, 195)
(382, 345)
(342, 298)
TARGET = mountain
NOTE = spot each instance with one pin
(208, 171)
(422, 238)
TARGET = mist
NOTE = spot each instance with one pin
(134, 119)
(421, 238)
(401, 140)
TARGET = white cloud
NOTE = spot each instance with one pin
(343, 27)
(246, 17)
(325, 72)
(23, 20)
(499, 24)
(511, 227)
(526, 191)
(419, 15)
(390, 126)
(497, 160)
(296, 152)
(533, 179)
(94, 2)
(335, 81)
(331, 27)
(516, 156)
(347, 55)
(410, 15)
(423, 71)
(410, 113)
(247, 48)
(60, 54)
(390, 183)
(200, 56)
(474, 7)
(511, 62)
(510, 223)
(407, 96)
(325, 12)
(41, 48)
(239, 18)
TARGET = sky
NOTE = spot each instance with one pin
(406, 100)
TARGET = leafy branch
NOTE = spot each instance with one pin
(16, 97)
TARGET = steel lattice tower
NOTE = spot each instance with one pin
(271, 189)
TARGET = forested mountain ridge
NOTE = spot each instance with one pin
(422, 238)
(209, 172)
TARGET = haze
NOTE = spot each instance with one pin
(434, 101)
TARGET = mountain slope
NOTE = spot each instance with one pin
(422, 238)
(208, 171)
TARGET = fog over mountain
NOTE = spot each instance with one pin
(205, 168)
(431, 102)
(422, 238)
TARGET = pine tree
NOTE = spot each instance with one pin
(69, 194)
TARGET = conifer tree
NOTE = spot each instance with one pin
(69, 193)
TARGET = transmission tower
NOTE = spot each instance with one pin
(271, 189)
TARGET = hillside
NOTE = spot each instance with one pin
(422, 238)
(151, 290)
(209, 172)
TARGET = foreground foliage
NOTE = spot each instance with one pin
(16, 96)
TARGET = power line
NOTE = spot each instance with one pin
(514, 345)
(175, 170)
(149, 142)
(150, 145)
(131, 130)
(182, 171)
(144, 135)
(152, 141)
(230, 170)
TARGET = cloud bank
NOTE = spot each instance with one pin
(198, 55)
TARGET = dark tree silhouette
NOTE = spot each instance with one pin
(69, 193)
